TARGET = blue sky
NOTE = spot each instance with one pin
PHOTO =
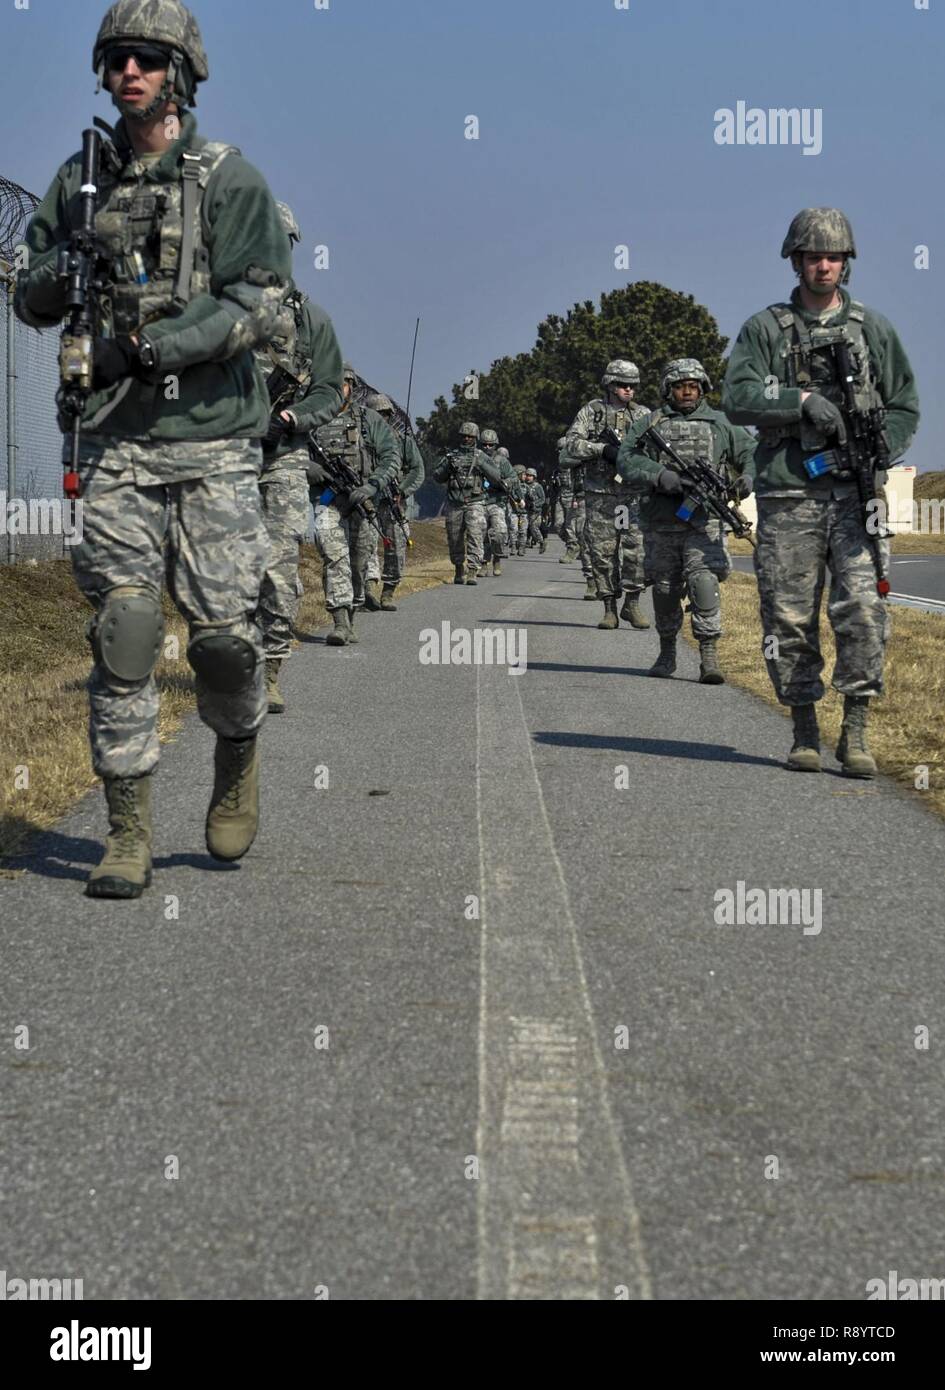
(596, 128)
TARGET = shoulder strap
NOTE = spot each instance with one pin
(198, 165)
(783, 315)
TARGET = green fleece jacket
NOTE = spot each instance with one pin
(756, 361)
(640, 462)
(207, 347)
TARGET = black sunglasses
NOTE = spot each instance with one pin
(148, 59)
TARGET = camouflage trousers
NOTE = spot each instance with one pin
(616, 551)
(395, 552)
(690, 561)
(534, 527)
(284, 494)
(580, 535)
(518, 529)
(465, 530)
(205, 535)
(567, 512)
(345, 544)
(799, 539)
(497, 531)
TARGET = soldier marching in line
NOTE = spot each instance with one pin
(302, 368)
(534, 503)
(465, 471)
(685, 556)
(497, 502)
(795, 371)
(409, 478)
(517, 516)
(195, 264)
(592, 442)
(359, 441)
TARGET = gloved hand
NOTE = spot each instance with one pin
(610, 453)
(277, 428)
(114, 359)
(669, 481)
(743, 487)
(361, 494)
(824, 416)
(316, 474)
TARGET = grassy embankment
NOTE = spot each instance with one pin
(44, 665)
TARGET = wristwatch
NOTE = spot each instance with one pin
(146, 354)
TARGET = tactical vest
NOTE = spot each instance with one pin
(151, 237)
(342, 438)
(466, 481)
(284, 351)
(692, 439)
(598, 473)
(805, 361)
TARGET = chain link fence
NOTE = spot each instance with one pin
(30, 441)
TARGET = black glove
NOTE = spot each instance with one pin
(610, 453)
(824, 416)
(668, 481)
(743, 487)
(114, 359)
(277, 428)
(361, 494)
(316, 474)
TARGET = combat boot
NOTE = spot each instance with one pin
(371, 601)
(233, 816)
(273, 693)
(665, 663)
(590, 590)
(125, 870)
(852, 751)
(340, 636)
(471, 576)
(709, 671)
(632, 613)
(543, 546)
(459, 575)
(805, 751)
(352, 635)
(496, 567)
(609, 620)
(387, 598)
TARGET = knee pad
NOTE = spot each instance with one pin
(704, 592)
(224, 662)
(127, 633)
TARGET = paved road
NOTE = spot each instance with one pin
(918, 581)
(619, 1070)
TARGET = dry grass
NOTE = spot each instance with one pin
(44, 664)
(906, 730)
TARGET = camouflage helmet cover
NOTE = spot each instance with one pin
(293, 231)
(820, 229)
(684, 369)
(520, 469)
(469, 427)
(164, 22)
(379, 402)
(349, 373)
(530, 473)
(503, 451)
(489, 437)
(622, 372)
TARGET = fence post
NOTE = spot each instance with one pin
(6, 270)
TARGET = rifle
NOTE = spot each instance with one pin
(392, 498)
(343, 478)
(864, 452)
(77, 267)
(708, 488)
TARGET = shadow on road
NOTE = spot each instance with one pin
(658, 747)
(55, 855)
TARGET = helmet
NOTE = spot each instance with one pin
(684, 369)
(488, 437)
(520, 469)
(293, 231)
(350, 374)
(503, 452)
(819, 229)
(530, 473)
(165, 23)
(379, 402)
(469, 427)
(621, 372)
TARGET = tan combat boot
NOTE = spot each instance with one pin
(852, 751)
(352, 635)
(125, 871)
(387, 598)
(665, 663)
(273, 693)
(609, 620)
(496, 567)
(590, 590)
(340, 635)
(805, 752)
(632, 613)
(233, 817)
(371, 601)
(709, 670)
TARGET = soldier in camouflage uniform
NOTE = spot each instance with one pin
(194, 262)
(569, 508)
(516, 514)
(410, 475)
(497, 502)
(783, 377)
(345, 538)
(612, 512)
(575, 476)
(534, 502)
(686, 557)
(465, 472)
(303, 369)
